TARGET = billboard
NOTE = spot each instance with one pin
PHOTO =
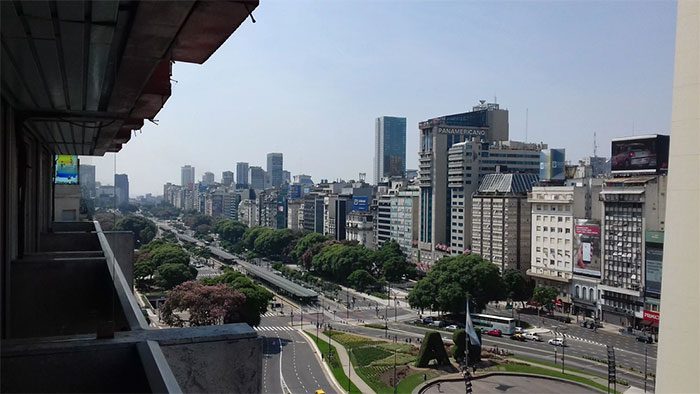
(360, 204)
(67, 170)
(552, 165)
(652, 278)
(587, 246)
(647, 154)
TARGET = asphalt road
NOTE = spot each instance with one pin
(289, 363)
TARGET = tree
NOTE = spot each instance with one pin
(271, 243)
(144, 230)
(206, 305)
(257, 297)
(170, 275)
(432, 348)
(305, 243)
(362, 280)
(230, 230)
(393, 262)
(153, 255)
(337, 261)
(545, 296)
(446, 286)
(106, 219)
(517, 286)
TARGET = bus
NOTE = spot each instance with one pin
(490, 322)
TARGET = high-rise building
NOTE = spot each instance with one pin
(242, 174)
(227, 178)
(632, 206)
(293, 209)
(121, 184)
(257, 178)
(208, 178)
(187, 177)
(87, 180)
(275, 169)
(313, 213)
(286, 177)
(389, 148)
(501, 221)
(303, 180)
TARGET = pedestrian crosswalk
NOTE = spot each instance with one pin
(274, 328)
(271, 314)
(569, 336)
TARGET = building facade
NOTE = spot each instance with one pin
(631, 207)
(360, 227)
(87, 180)
(389, 148)
(121, 184)
(501, 220)
(187, 176)
(242, 175)
(227, 178)
(275, 169)
(257, 178)
(208, 178)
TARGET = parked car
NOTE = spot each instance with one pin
(494, 333)
(532, 337)
(451, 327)
(438, 323)
(519, 330)
(557, 342)
(645, 338)
(518, 337)
(427, 320)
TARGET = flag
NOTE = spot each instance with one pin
(471, 333)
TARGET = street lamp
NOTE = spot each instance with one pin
(646, 346)
(395, 346)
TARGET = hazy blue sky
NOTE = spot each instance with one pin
(309, 78)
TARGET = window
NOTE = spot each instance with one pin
(568, 231)
(591, 294)
(578, 295)
(559, 219)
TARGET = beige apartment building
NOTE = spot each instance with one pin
(500, 228)
(555, 210)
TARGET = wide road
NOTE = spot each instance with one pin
(289, 363)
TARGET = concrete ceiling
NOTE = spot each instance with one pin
(83, 74)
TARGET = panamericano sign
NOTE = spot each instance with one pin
(461, 131)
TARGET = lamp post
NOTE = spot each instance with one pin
(349, 368)
(563, 347)
(645, 366)
(396, 346)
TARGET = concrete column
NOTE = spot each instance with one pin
(679, 343)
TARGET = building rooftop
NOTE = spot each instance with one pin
(508, 183)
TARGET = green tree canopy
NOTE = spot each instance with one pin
(337, 261)
(230, 230)
(432, 348)
(362, 280)
(393, 262)
(257, 297)
(545, 296)
(517, 286)
(144, 230)
(170, 275)
(452, 278)
(305, 243)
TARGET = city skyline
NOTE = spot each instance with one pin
(623, 52)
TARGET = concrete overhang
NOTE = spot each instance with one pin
(83, 74)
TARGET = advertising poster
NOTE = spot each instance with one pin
(66, 170)
(587, 247)
(643, 154)
(552, 164)
(654, 256)
(360, 204)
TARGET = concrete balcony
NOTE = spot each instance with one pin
(74, 326)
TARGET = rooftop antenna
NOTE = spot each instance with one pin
(527, 114)
(595, 145)
(495, 99)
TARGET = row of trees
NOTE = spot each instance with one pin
(451, 279)
(162, 264)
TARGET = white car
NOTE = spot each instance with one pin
(557, 342)
(451, 327)
(532, 337)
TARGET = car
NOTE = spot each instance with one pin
(645, 338)
(494, 333)
(438, 323)
(518, 337)
(519, 330)
(532, 337)
(451, 327)
(427, 320)
(557, 342)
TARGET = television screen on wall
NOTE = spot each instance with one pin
(645, 154)
(67, 170)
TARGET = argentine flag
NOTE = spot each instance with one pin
(471, 333)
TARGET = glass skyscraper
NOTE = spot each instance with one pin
(389, 148)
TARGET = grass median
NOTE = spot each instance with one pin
(334, 363)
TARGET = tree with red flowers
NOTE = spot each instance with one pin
(204, 304)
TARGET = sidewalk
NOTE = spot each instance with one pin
(344, 358)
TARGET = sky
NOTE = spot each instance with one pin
(309, 78)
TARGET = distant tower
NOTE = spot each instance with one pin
(389, 147)
(363, 175)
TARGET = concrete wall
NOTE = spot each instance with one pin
(67, 202)
(122, 245)
(233, 366)
(679, 344)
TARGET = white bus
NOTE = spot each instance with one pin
(490, 322)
